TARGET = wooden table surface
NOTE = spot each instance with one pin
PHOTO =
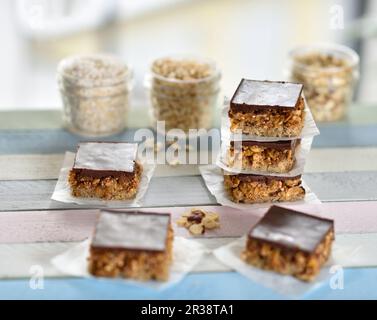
(341, 167)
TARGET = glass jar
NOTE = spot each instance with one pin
(95, 93)
(329, 74)
(183, 91)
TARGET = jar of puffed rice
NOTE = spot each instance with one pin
(95, 90)
(183, 91)
(329, 74)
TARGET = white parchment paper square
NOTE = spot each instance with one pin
(62, 190)
(286, 285)
(348, 251)
(186, 254)
(213, 178)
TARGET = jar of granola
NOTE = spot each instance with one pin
(329, 74)
(95, 90)
(183, 91)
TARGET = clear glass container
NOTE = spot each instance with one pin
(95, 93)
(329, 74)
(183, 91)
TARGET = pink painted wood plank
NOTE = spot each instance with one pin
(46, 226)
(349, 217)
(76, 225)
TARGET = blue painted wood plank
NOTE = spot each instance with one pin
(58, 140)
(346, 136)
(48, 141)
(359, 283)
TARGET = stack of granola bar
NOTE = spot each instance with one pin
(261, 155)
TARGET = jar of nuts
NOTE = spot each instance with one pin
(95, 90)
(329, 74)
(183, 92)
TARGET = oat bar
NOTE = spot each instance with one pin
(135, 245)
(251, 188)
(277, 156)
(290, 242)
(267, 108)
(106, 170)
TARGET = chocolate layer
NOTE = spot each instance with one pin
(291, 229)
(101, 159)
(131, 230)
(261, 178)
(252, 95)
(103, 173)
(280, 145)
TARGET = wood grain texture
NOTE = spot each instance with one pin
(48, 141)
(52, 119)
(36, 194)
(189, 190)
(352, 250)
(77, 225)
(47, 166)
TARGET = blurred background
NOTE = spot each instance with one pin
(247, 38)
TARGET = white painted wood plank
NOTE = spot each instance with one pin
(342, 160)
(47, 166)
(190, 190)
(30, 166)
(40, 167)
(163, 191)
(354, 250)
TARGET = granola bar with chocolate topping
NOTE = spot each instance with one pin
(267, 108)
(277, 156)
(290, 242)
(251, 188)
(135, 245)
(105, 170)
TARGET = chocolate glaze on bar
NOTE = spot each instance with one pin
(254, 95)
(280, 145)
(134, 230)
(104, 173)
(261, 178)
(103, 159)
(291, 230)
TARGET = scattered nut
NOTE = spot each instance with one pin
(213, 216)
(197, 221)
(198, 212)
(196, 229)
(210, 223)
(181, 222)
(195, 218)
